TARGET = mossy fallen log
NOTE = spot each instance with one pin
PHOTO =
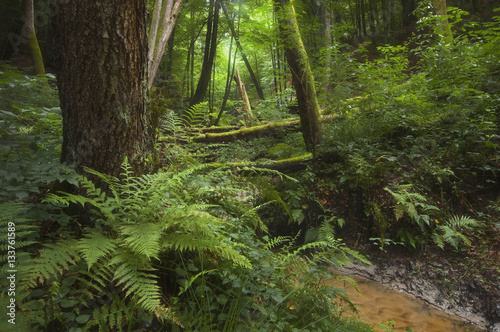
(268, 129)
(286, 166)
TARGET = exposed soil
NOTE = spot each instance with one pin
(464, 284)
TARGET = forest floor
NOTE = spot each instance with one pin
(463, 281)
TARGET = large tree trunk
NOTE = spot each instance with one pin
(302, 77)
(102, 83)
(32, 40)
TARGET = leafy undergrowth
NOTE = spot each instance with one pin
(418, 157)
(180, 250)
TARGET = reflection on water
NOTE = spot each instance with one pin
(380, 304)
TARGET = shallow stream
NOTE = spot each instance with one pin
(379, 304)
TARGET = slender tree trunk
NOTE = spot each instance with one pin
(409, 7)
(281, 73)
(227, 90)
(385, 18)
(329, 36)
(191, 73)
(302, 76)
(443, 25)
(243, 55)
(363, 16)
(247, 109)
(392, 15)
(372, 8)
(169, 60)
(164, 16)
(32, 40)
(102, 47)
(209, 55)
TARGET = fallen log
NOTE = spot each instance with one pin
(268, 129)
(286, 166)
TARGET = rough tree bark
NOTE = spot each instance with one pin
(302, 77)
(164, 16)
(32, 40)
(102, 83)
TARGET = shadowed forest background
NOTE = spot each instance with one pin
(199, 165)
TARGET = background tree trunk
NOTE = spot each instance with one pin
(247, 109)
(102, 83)
(227, 89)
(32, 40)
(162, 26)
(443, 25)
(255, 81)
(210, 51)
(302, 77)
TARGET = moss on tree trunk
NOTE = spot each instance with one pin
(32, 40)
(302, 77)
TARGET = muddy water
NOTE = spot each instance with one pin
(379, 304)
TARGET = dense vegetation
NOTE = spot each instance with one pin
(219, 240)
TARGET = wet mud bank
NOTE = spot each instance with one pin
(441, 284)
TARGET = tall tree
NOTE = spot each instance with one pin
(247, 108)
(32, 40)
(102, 47)
(162, 26)
(255, 81)
(443, 25)
(209, 55)
(302, 77)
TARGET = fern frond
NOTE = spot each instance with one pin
(326, 230)
(14, 228)
(170, 123)
(450, 232)
(195, 115)
(457, 222)
(277, 241)
(143, 238)
(113, 183)
(53, 260)
(136, 281)
(95, 247)
(110, 316)
(438, 240)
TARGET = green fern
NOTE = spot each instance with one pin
(196, 115)
(95, 247)
(413, 204)
(450, 232)
(405, 201)
(16, 232)
(141, 219)
(171, 124)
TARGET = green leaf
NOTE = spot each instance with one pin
(82, 319)
(69, 303)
